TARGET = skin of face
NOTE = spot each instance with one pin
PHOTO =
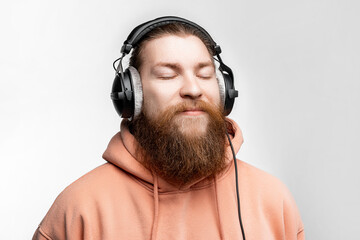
(176, 69)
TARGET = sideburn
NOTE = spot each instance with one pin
(178, 158)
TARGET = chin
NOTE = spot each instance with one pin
(192, 126)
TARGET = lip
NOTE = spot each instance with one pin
(193, 112)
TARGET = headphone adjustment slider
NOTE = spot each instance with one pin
(217, 49)
(126, 48)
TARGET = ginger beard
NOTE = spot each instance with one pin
(180, 148)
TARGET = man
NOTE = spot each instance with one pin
(170, 171)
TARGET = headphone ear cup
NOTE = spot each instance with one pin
(137, 90)
(123, 99)
(230, 93)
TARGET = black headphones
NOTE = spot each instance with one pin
(127, 91)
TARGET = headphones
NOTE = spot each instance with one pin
(126, 91)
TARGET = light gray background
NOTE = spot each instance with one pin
(296, 65)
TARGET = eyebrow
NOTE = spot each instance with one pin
(174, 66)
(205, 64)
(177, 66)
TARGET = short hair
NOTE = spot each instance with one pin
(178, 29)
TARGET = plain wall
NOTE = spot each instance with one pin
(296, 65)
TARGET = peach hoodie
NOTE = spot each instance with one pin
(123, 200)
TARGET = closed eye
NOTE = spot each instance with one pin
(205, 76)
(206, 72)
(167, 77)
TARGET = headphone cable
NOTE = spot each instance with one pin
(237, 187)
(120, 68)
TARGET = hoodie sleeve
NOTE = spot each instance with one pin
(40, 235)
(53, 226)
(64, 219)
(301, 234)
(294, 228)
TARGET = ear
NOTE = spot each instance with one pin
(138, 93)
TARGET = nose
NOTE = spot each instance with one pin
(191, 87)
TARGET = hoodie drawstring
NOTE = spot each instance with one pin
(218, 209)
(156, 208)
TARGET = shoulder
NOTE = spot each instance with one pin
(263, 185)
(88, 188)
(270, 195)
(81, 201)
(98, 182)
(260, 181)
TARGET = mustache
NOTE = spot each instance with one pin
(193, 105)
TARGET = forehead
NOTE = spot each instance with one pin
(180, 49)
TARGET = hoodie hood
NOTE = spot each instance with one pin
(121, 152)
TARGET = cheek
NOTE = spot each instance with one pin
(156, 98)
(213, 93)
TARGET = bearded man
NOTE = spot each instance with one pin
(170, 172)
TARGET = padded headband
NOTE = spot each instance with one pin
(140, 31)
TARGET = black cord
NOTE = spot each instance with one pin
(119, 69)
(114, 63)
(237, 187)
